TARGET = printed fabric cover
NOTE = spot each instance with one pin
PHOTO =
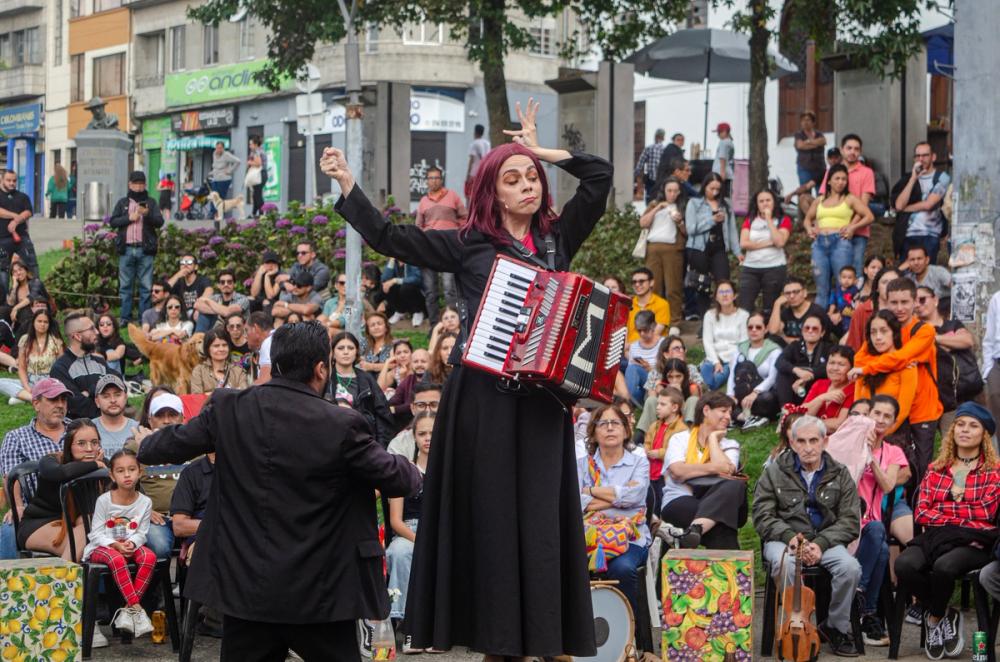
(41, 601)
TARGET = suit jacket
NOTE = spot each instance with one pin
(290, 532)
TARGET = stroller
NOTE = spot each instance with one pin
(195, 204)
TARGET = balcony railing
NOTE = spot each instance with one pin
(12, 7)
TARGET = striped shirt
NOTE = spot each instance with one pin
(133, 231)
(445, 212)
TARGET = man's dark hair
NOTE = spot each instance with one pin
(842, 351)
(676, 164)
(901, 285)
(917, 247)
(712, 400)
(833, 151)
(888, 399)
(479, 130)
(70, 319)
(424, 387)
(297, 348)
(851, 136)
(260, 320)
(644, 271)
(219, 142)
(808, 113)
(163, 283)
(307, 242)
(795, 280)
(227, 272)
(848, 267)
(433, 169)
(255, 139)
(676, 136)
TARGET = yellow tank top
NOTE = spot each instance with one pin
(833, 218)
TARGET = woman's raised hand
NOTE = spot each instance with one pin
(527, 135)
(333, 163)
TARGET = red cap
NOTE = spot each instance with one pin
(50, 388)
(723, 126)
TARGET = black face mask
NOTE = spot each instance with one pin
(138, 196)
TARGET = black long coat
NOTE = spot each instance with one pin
(500, 563)
(290, 531)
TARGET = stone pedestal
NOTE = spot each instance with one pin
(102, 156)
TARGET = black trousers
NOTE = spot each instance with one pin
(257, 198)
(755, 281)
(57, 210)
(933, 584)
(922, 435)
(764, 405)
(725, 503)
(254, 641)
(714, 262)
(783, 389)
(404, 298)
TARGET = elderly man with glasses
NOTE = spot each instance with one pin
(222, 304)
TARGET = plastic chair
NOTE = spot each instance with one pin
(85, 491)
(21, 476)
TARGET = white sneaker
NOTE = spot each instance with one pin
(123, 620)
(99, 640)
(142, 623)
(14, 401)
(674, 331)
(396, 318)
(418, 319)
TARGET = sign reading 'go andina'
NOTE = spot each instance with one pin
(217, 84)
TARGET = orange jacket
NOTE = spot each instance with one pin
(918, 348)
(901, 385)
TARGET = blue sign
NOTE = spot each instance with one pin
(20, 120)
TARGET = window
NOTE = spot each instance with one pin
(109, 75)
(57, 39)
(74, 8)
(210, 44)
(423, 33)
(542, 33)
(6, 55)
(246, 39)
(371, 38)
(106, 5)
(151, 56)
(25, 48)
(177, 45)
(76, 63)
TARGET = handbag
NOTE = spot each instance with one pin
(639, 252)
(252, 177)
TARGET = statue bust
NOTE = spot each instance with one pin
(100, 119)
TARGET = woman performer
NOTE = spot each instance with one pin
(499, 565)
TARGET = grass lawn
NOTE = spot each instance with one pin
(49, 259)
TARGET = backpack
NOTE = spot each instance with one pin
(745, 378)
(959, 378)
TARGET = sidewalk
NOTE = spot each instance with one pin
(49, 233)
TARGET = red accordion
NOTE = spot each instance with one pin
(555, 328)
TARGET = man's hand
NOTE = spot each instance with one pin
(718, 367)
(25, 215)
(387, 285)
(12, 227)
(917, 169)
(748, 401)
(811, 553)
(643, 363)
(781, 301)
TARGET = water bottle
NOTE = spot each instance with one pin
(159, 634)
(383, 641)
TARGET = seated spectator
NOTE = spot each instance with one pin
(358, 387)
(158, 297)
(676, 349)
(79, 368)
(439, 368)
(173, 326)
(762, 238)
(808, 492)
(397, 367)
(613, 284)
(752, 373)
(671, 347)
(404, 518)
(830, 398)
(873, 265)
(957, 508)
(39, 301)
(118, 353)
(300, 298)
(642, 355)
(701, 493)
(402, 397)
(403, 296)
(724, 327)
(306, 261)
(28, 443)
(884, 335)
(922, 272)
(613, 486)
(426, 398)
(220, 305)
(42, 528)
(791, 310)
(801, 362)
(267, 281)
(959, 378)
(218, 369)
(376, 346)
(371, 287)
(646, 299)
(22, 285)
(864, 311)
(450, 323)
(333, 309)
(189, 286)
(37, 350)
(669, 421)
(114, 427)
(238, 338)
(260, 326)
(842, 301)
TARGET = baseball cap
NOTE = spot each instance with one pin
(271, 256)
(166, 401)
(109, 379)
(302, 278)
(50, 388)
(137, 176)
(723, 126)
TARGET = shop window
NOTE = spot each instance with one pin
(76, 63)
(210, 44)
(178, 60)
(109, 75)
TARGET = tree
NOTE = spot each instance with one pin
(490, 29)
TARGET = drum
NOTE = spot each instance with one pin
(614, 625)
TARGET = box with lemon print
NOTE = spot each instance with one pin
(40, 605)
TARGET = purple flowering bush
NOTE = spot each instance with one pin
(92, 266)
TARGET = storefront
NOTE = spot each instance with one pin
(20, 139)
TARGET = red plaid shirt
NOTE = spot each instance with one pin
(978, 508)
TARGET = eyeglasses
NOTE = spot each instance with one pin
(755, 327)
(88, 443)
(228, 281)
(430, 178)
(610, 423)
(341, 282)
(187, 263)
(237, 325)
(791, 293)
(812, 328)
(302, 252)
(923, 156)
(639, 281)
(723, 291)
(89, 328)
(173, 307)
(433, 405)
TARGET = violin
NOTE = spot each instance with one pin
(798, 640)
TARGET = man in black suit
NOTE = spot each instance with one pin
(288, 550)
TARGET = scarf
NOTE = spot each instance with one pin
(695, 454)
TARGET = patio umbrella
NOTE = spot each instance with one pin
(703, 54)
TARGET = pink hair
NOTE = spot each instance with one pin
(485, 215)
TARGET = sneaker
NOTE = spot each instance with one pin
(691, 538)
(872, 631)
(99, 640)
(14, 401)
(951, 631)
(693, 317)
(934, 645)
(365, 638)
(141, 620)
(123, 620)
(396, 318)
(418, 319)
(841, 645)
(754, 422)
(914, 614)
(408, 648)
(674, 331)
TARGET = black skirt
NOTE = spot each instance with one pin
(500, 564)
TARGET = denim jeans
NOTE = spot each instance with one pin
(204, 322)
(135, 266)
(399, 559)
(860, 245)
(431, 293)
(830, 254)
(714, 380)
(160, 539)
(8, 542)
(625, 569)
(10, 387)
(873, 555)
(635, 380)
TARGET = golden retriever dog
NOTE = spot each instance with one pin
(169, 363)
(234, 205)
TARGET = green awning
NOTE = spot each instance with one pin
(188, 143)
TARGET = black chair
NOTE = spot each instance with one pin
(21, 476)
(85, 490)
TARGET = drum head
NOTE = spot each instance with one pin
(614, 628)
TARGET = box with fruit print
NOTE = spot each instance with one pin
(40, 605)
(707, 605)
